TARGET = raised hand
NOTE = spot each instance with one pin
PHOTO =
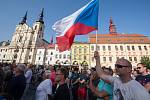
(96, 55)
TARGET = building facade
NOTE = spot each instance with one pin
(80, 54)
(28, 46)
(113, 46)
(51, 55)
(25, 41)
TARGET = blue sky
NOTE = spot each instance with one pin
(129, 16)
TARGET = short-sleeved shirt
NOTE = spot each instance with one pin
(143, 79)
(44, 89)
(106, 87)
(131, 90)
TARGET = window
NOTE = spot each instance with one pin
(60, 56)
(104, 58)
(50, 59)
(40, 52)
(64, 56)
(85, 50)
(117, 58)
(56, 56)
(135, 59)
(109, 48)
(133, 48)
(31, 50)
(104, 48)
(140, 48)
(98, 48)
(74, 57)
(4, 56)
(29, 56)
(39, 58)
(30, 42)
(145, 48)
(121, 48)
(92, 48)
(92, 58)
(128, 48)
(84, 57)
(51, 53)
(130, 58)
(116, 48)
(15, 56)
(79, 57)
(80, 50)
(110, 59)
(20, 38)
(68, 57)
(75, 50)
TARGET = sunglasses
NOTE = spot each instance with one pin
(138, 67)
(119, 66)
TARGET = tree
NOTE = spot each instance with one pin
(146, 60)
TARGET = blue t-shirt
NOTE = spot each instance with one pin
(102, 85)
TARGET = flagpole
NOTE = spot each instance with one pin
(96, 38)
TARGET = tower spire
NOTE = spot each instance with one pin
(41, 17)
(112, 27)
(24, 19)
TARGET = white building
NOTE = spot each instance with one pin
(113, 46)
(25, 41)
(51, 55)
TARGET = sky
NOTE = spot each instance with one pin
(129, 16)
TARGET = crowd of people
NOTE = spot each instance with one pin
(70, 83)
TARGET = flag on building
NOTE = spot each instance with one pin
(81, 22)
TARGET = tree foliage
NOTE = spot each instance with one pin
(146, 60)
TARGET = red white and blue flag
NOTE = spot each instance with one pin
(81, 22)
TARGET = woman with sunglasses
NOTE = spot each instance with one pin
(124, 87)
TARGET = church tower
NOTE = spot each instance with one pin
(38, 33)
(38, 30)
(112, 27)
(20, 42)
(26, 40)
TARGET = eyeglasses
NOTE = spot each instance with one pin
(119, 66)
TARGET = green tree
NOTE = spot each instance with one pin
(146, 60)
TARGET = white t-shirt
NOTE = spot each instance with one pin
(44, 88)
(131, 90)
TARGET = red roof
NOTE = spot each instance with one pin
(119, 38)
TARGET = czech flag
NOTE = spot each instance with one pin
(81, 22)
